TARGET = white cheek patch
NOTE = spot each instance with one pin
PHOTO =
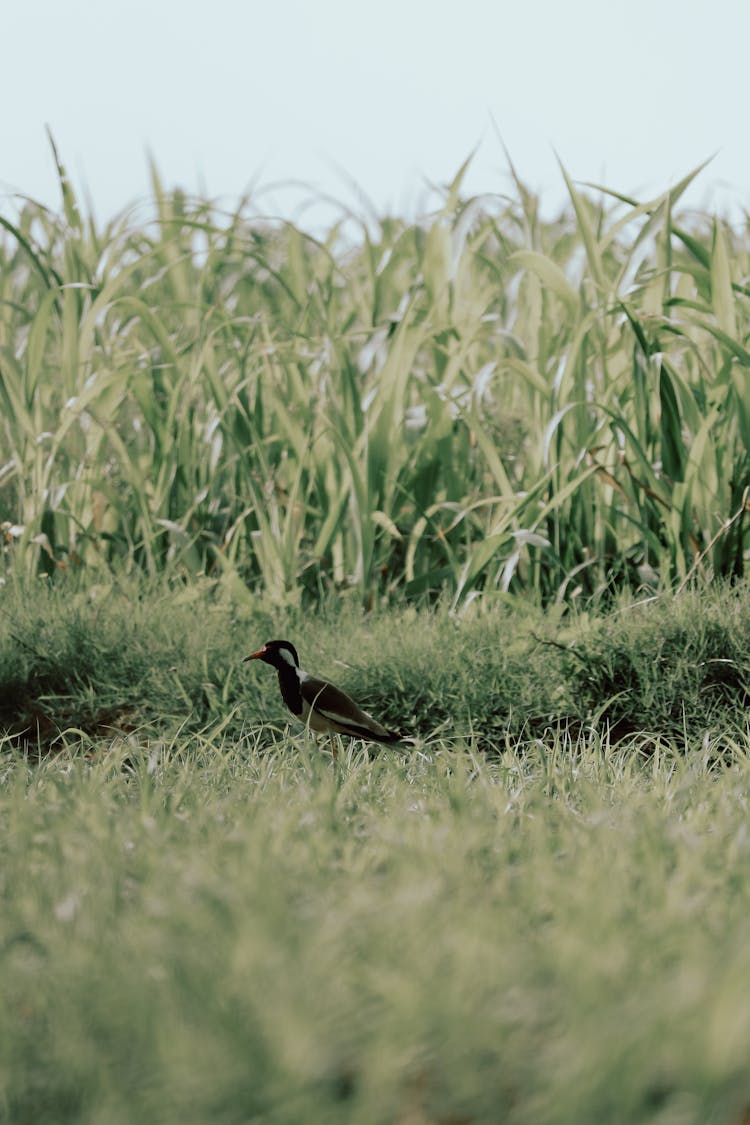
(287, 656)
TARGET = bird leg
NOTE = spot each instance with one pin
(334, 752)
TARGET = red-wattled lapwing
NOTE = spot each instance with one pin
(322, 707)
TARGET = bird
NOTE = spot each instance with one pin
(318, 704)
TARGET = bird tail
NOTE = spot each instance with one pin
(391, 736)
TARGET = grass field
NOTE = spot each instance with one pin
(195, 931)
(537, 910)
(490, 474)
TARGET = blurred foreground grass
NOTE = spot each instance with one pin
(205, 933)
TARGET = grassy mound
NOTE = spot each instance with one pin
(165, 658)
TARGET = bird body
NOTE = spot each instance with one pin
(320, 705)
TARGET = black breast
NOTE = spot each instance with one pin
(290, 689)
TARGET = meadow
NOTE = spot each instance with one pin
(211, 933)
(490, 473)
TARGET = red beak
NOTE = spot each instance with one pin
(254, 655)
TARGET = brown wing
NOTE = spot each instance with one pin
(340, 712)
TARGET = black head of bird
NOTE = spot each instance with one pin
(318, 704)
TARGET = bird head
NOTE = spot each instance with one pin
(280, 654)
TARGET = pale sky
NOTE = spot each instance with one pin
(396, 93)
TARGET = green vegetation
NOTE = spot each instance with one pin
(479, 402)
(130, 657)
(490, 473)
(204, 920)
(209, 933)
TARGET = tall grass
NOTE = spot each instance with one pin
(477, 402)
